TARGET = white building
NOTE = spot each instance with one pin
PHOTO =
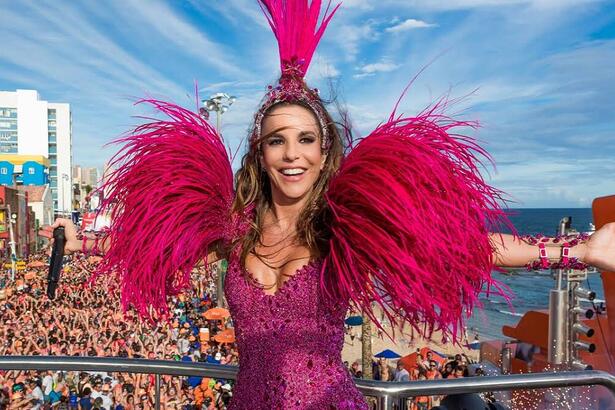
(85, 176)
(31, 126)
(39, 199)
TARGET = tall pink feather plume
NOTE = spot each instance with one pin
(295, 25)
(411, 217)
(169, 198)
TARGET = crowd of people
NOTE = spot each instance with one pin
(428, 365)
(87, 320)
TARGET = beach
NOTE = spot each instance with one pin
(403, 344)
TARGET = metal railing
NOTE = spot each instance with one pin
(386, 393)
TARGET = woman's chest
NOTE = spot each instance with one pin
(270, 267)
(298, 298)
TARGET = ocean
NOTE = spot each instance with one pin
(530, 290)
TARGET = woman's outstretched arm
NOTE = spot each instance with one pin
(598, 251)
(73, 244)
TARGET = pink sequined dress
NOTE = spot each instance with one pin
(290, 345)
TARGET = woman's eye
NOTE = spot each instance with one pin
(307, 140)
(274, 141)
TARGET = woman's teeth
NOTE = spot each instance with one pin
(294, 171)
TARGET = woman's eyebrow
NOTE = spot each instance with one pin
(306, 133)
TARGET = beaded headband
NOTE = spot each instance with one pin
(295, 25)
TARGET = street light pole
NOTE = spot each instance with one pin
(220, 103)
(12, 243)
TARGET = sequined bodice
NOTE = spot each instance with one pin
(290, 345)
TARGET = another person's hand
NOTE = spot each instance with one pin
(70, 232)
(600, 250)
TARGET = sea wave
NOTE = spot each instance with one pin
(506, 312)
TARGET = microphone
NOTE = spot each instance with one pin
(55, 265)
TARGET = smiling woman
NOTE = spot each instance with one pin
(291, 153)
(309, 231)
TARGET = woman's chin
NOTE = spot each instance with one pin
(289, 196)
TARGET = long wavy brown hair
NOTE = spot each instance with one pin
(253, 189)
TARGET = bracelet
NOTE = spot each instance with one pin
(95, 250)
(572, 239)
(98, 241)
(565, 261)
(84, 242)
(542, 254)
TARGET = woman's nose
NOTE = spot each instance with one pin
(291, 151)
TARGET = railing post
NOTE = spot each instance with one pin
(157, 402)
(506, 360)
(385, 402)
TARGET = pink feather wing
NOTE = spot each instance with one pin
(169, 198)
(411, 218)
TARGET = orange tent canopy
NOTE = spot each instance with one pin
(29, 275)
(216, 314)
(37, 264)
(225, 336)
(409, 361)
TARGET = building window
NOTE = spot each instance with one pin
(31, 171)
(4, 171)
(51, 114)
(6, 112)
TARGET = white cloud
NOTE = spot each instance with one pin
(373, 68)
(444, 5)
(184, 35)
(357, 4)
(321, 68)
(235, 11)
(350, 37)
(409, 24)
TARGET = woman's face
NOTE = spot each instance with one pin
(291, 155)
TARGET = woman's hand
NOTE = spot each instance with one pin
(70, 233)
(600, 250)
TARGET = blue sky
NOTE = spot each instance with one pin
(542, 73)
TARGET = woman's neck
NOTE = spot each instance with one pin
(284, 215)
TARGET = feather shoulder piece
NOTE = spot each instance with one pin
(411, 218)
(169, 198)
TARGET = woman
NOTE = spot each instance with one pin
(308, 230)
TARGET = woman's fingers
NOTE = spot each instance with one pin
(45, 233)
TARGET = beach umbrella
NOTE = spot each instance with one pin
(225, 336)
(388, 354)
(216, 314)
(29, 275)
(354, 321)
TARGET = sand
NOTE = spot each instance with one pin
(403, 345)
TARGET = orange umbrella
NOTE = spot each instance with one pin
(225, 336)
(37, 264)
(216, 314)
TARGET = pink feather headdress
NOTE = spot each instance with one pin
(298, 32)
